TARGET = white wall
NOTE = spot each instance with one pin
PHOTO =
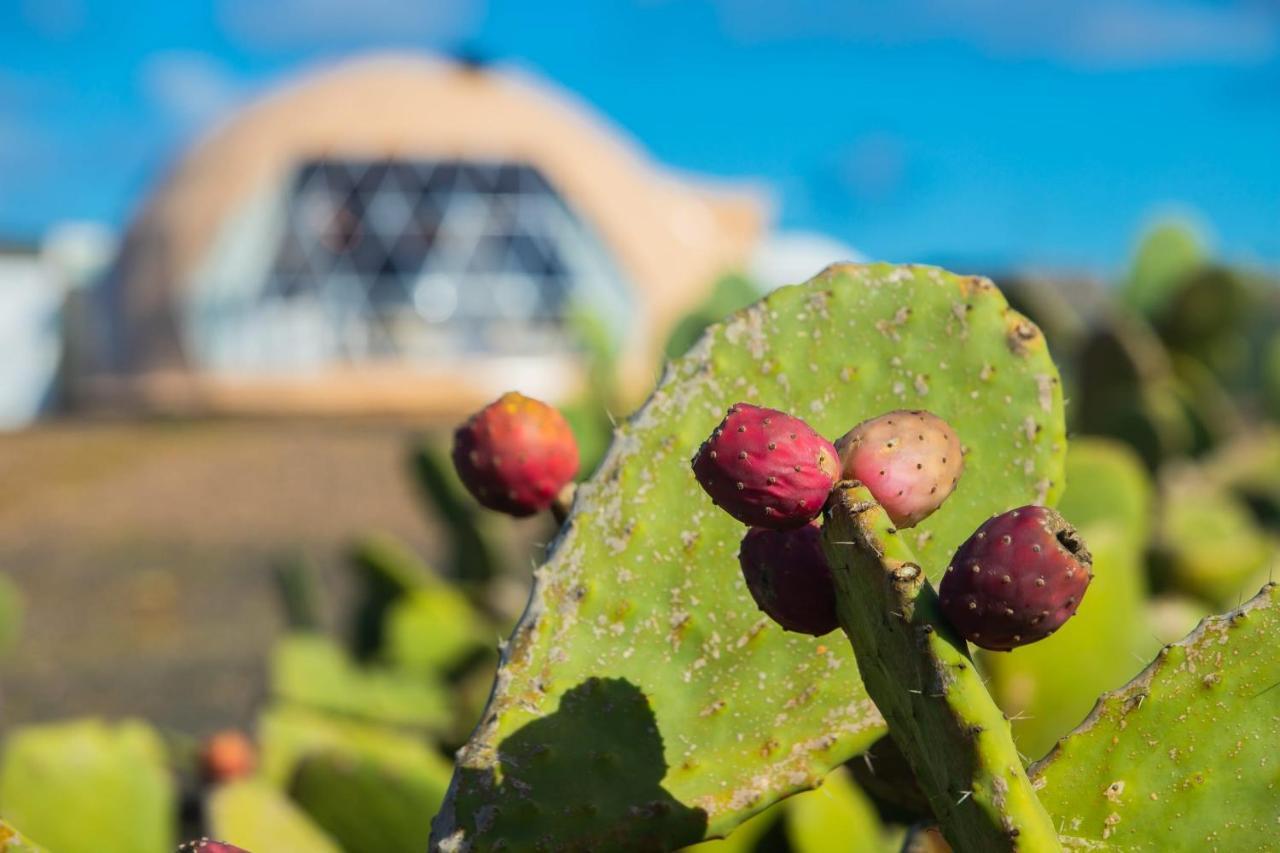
(30, 338)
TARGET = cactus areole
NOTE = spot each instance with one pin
(207, 845)
(909, 460)
(766, 468)
(1017, 579)
(515, 455)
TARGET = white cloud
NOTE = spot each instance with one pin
(275, 23)
(192, 88)
(1147, 34)
(1088, 33)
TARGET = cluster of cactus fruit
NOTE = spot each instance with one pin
(1022, 574)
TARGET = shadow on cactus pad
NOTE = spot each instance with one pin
(597, 761)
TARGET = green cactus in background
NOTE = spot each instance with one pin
(836, 818)
(253, 815)
(641, 669)
(370, 805)
(1183, 757)
(311, 670)
(410, 617)
(289, 734)
(89, 787)
(1165, 257)
(1208, 543)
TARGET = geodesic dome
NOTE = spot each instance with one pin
(397, 223)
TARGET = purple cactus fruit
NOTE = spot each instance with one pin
(766, 468)
(206, 845)
(1017, 579)
(515, 455)
(789, 578)
(909, 460)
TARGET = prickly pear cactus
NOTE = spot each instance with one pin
(1109, 498)
(836, 818)
(309, 669)
(253, 815)
(12, 841)
(368, 805)
(1183, 757)
(90, 787)
(643, 701)
(1208, 543)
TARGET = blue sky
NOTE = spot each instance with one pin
(968, 131)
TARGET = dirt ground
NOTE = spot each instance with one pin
(145, 554)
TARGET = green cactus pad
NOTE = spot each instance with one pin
(90, 787)
(1184, 756)
(310, 669)
(368, 805)
(1208, 542)
(641, 667)
(434, 630)
(290, 734)
(1106, 483)
(257, 817)
(12, 841)
(836, 818)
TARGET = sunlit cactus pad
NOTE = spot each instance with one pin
(1183, 757)
(644, 702)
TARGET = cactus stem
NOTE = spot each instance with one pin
(917, 672)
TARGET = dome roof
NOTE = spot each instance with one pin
(669, 237)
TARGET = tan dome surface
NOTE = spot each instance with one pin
(669, 237)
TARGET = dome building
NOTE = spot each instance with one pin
(401, 234)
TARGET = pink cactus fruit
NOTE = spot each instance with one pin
(1017, 579)
(766, 468)
(909, 460)
(788, 576)
(515, 455)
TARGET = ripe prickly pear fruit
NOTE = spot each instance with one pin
(766, 468)
(1017, 579)
(226, 756)
(909, 460)
(515, 455)
(789, 578)
(207, 845)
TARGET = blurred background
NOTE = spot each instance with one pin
(257, 258)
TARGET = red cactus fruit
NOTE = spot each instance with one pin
(766, 468)
(909, 460)
(789, 578)
(226, 756)
(515, 455)
(206, 845)
(1017, 579)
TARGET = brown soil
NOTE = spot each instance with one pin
(145, 554)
